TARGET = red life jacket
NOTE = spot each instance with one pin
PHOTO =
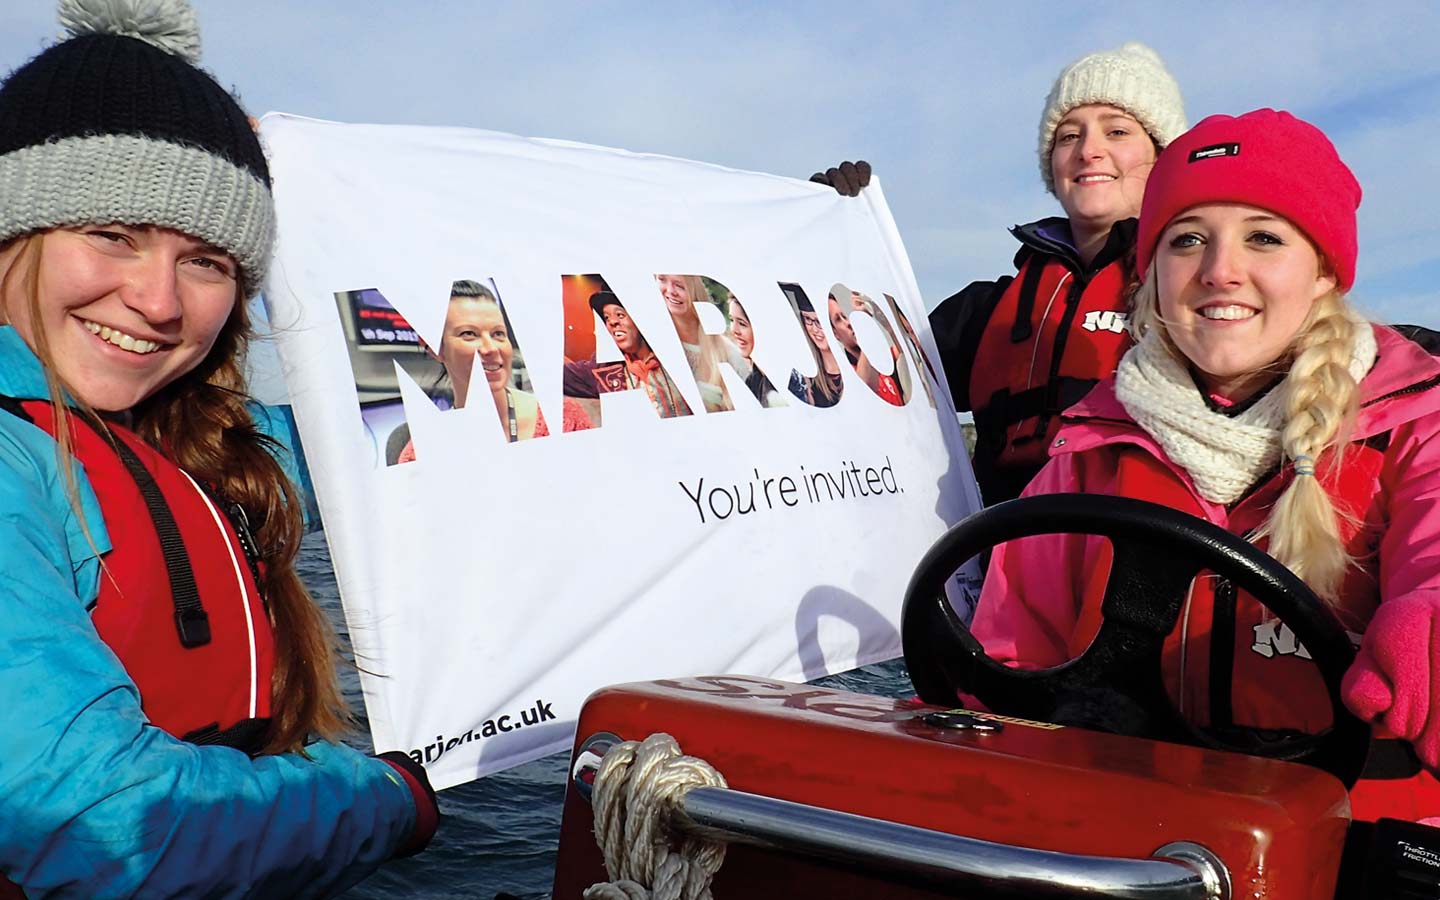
(1052, 335)
(197, 644)
(1231, 663)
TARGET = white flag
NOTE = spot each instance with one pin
(665, 418)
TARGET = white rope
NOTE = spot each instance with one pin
(637, 788)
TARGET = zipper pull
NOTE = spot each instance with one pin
(241, 522)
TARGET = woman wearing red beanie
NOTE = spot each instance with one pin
(1257, 398)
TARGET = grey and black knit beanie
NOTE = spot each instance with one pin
(117, 124)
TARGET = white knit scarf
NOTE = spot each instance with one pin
(1224, 455)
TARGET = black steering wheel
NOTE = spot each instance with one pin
(1157, 553)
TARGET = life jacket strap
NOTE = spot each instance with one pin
(13, 407)
(247, 735)
(1005, 409)
(192, 623)
(1023, 326)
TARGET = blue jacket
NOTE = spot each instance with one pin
(94, 801)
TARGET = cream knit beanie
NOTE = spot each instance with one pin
(1133, 78)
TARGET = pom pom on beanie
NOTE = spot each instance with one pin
(167, 24)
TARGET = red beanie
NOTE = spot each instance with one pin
(1266, 159)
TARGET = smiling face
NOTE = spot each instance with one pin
(740, 331)
(1100, 161)
(676, 292)
(815, 329)
(622, 329)
(1236, 284)
(124, 310)
(474, 326)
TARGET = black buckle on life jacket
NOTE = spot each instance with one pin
(193, 626)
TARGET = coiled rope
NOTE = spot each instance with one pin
(638, 786)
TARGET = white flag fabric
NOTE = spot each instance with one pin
(578, 416)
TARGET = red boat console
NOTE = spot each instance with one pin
(1277, 828)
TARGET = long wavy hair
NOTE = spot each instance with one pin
(1321, 399)
(820, 384)
(706, 367)
(201, 422)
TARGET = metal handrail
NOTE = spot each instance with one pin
(923, 857)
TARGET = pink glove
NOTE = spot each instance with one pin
(1395, 679)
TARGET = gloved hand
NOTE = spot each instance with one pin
(427, 811)
(847, 178)
(1395, 679)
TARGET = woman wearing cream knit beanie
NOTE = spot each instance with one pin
(1132, 78)
(1020, 349)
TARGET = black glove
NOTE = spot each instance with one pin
(847, 179)
(427, 811)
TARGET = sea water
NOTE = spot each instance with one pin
(497, 834)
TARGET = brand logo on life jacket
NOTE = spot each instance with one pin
(1106, 320)
(1275, 637)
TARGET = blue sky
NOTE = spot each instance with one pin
(943, 99)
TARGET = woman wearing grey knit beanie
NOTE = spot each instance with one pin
(151, 620)
(1017, 351)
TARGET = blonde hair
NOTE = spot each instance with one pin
(1321, 397)
(712, 346)
(202, 423)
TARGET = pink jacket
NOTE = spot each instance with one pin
(1039, 605)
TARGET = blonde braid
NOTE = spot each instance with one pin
(1321, 398)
